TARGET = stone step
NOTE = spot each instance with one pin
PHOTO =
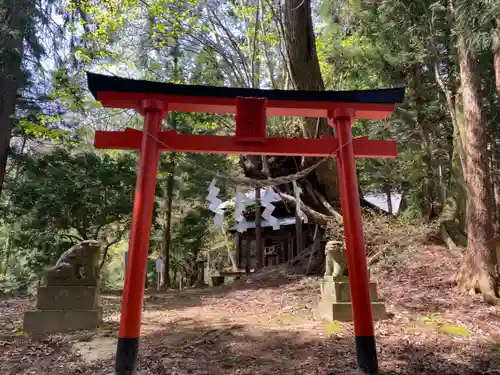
(67, 298)
(342, 311)
(56, 321)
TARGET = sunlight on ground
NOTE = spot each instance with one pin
(435, 322)
(100, 348)
(332, 328)
(454, 330)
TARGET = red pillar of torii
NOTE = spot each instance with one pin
(251, 106)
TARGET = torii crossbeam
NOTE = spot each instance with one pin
(251, 106)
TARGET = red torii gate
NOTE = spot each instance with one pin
(252, 106)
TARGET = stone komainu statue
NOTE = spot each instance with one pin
(336, 259)
(78, 265)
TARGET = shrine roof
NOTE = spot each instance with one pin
(117, 92)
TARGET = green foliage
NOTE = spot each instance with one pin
(80, 191)
(368, 44)
(61, 198)
(53, 199)
(41, 128)
(432, 319)
(112, 274)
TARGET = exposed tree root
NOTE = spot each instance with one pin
(322, 201)
(475, 278)
(318, 217)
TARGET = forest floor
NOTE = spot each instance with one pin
(267, 325)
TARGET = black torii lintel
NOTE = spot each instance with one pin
(102, 83)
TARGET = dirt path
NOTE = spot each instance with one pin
(269, 327)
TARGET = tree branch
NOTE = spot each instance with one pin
(316, 216)
(232, 41)
(71, 237)
(317, 195)
(117, 239)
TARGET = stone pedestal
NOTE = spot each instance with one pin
(64, 308)
(59, 321)
(68, 298)
(336, 302)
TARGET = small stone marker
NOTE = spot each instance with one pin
(68, 297)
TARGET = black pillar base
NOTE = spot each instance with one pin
(366, 354)
(126, 356)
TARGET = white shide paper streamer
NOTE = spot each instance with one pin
(298, 205)
(239, 207)
(267, 199)
(215, 203)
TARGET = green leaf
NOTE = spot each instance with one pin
(332, 328)
(454, 330)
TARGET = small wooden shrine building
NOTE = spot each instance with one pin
(279, 245)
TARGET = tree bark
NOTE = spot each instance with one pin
(428, 186)
(305, 74)
(453, 213)
(299, 235)
(8, 246)
(167, 225)
(258, 231)
(315, 247)
(247, 255)
(496, 52)
(174, 277)
(478, 268)
(13, 18)
(388, 195)
(496, 187)
(493, 195)
(234, 259)
(167, 214)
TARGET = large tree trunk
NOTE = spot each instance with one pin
(12, 16)
(388, 195)
(496, 186)
(495, 33)
(167, 223)
(478, 270)
(305, 73)
(452, 216)
(428, 208)
(259, 248)
(167, 213)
